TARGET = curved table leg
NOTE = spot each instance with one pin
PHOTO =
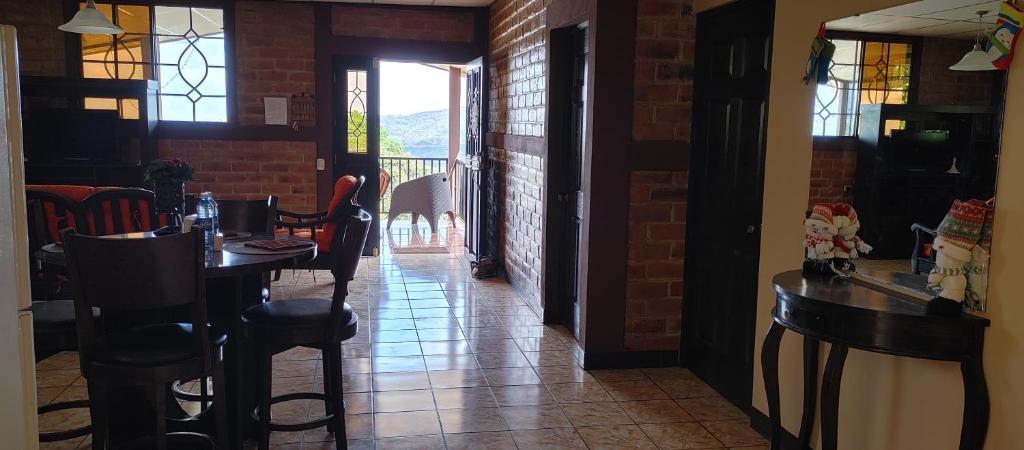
(830, 383)
(770, 372)
(976, 405)
(811, 347)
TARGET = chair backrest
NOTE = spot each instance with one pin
(135, 276)
(119, 210)
(253, 216)
(346, 250)
(343, 205)
(59, 212)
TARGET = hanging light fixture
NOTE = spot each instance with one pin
(90, 20)
(977, 59)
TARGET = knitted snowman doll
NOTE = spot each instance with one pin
(848, 246)
(819, 235)
(954, 243)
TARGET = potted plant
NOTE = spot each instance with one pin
(167, 178)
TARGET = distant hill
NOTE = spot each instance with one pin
(423, 134)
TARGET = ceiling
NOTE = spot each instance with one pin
(955, 19)
(465, 3)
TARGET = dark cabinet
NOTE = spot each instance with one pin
(913, 160)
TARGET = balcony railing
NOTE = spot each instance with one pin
(403, 169)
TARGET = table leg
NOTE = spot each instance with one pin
(976, 405)
(830, 384)
(770, 372)
(811, 347)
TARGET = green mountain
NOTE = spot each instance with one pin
(423, 134)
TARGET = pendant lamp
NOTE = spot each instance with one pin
(90, 20)
(977, 59)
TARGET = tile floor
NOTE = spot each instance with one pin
(445, 361)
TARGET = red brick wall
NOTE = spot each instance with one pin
(833, 174)
(666, 34)
(249, 170)
(274, 54)
(941, 86)
(654, 286)
(398, 23)
(40, 43)
(517, 96)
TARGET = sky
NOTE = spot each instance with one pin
(408, 88)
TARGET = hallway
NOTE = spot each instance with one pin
(445, 361)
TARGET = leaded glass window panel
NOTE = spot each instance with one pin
(191, 64)
(357, 104)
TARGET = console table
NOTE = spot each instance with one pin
(849, 314)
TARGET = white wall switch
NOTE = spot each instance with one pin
(320, 164)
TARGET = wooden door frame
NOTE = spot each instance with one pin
(695, 188)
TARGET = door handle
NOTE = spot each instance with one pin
(751, 229)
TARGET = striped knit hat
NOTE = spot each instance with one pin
(961, 229)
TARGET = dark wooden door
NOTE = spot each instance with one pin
(475, 184)
(570, 196)
(724, 211)
(357, 132)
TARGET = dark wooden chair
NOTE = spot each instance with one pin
(318, 226)
(252, 216)
(324, 324)
(118, 210)
(132, 279)
(922, 259)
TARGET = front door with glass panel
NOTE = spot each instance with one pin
(357, 132)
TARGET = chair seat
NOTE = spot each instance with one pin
(153, 345)
(298, 232)
(55, 314)
(294, 313)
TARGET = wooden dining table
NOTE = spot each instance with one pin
(234, 282)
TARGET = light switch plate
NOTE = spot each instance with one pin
(320, 164)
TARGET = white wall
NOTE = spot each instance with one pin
(887, 402)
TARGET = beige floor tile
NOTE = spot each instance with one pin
(400, 381)
(511, 376)
(632, 390)
(398, 401)
(464, 398)
(564, 374)
(414, 423)
(529, 394)
(596, 414)
(490, 440)
(616, 437)
(655, 411)
(534, 417)
(431, 442)
(472, 420)
(443, 379)
(548, 439)
(735, 433)
(685, 435)
(579, 392)
(711, 408)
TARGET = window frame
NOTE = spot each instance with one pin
(915, 68)
(73, 56)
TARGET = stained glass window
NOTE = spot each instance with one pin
(182, 48)
(357, 101)
(862, 72)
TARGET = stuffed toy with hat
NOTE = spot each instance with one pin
(848, 246)
(955, 241)
(819, 240)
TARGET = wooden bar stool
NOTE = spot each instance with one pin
(142, 281)
(324, 324)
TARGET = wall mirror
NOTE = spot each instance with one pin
(901, 136)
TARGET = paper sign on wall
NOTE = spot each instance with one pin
(275, 110)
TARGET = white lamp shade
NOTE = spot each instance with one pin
(975, 60)
(90, 20)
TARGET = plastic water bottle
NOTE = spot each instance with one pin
(206, 217)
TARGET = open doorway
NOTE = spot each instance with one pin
(422, 132)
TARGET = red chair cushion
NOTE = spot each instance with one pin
(72, 192)
(342, 188)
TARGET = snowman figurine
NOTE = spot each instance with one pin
(848, 246)
(819, 240)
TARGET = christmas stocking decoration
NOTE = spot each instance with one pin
(955, 239)
(1003, 40)
(977, 268)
